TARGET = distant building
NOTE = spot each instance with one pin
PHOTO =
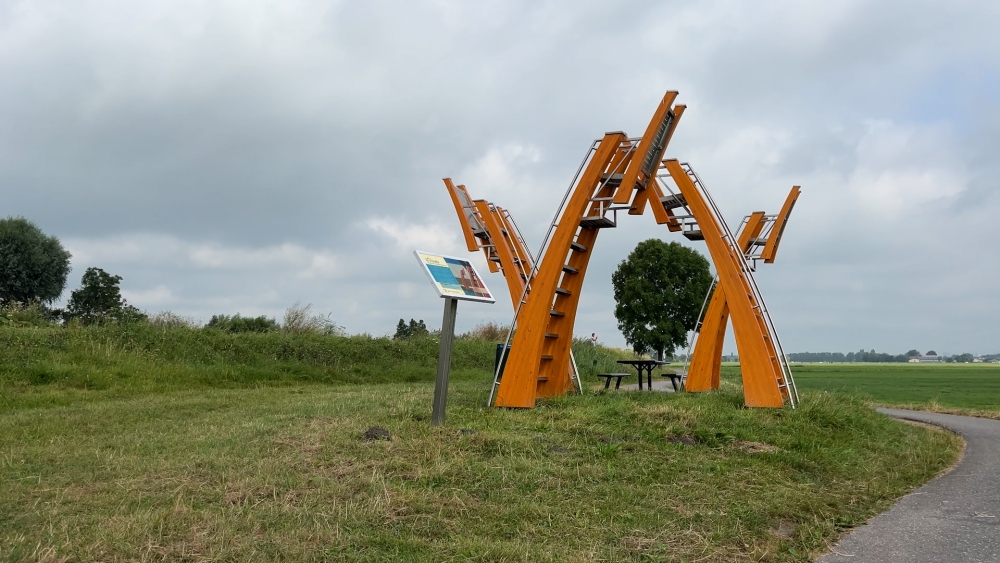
(933, 359)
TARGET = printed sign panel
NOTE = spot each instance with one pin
(454, 277)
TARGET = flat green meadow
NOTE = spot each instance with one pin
(143, 444)
(961, 388)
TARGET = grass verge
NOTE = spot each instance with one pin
(282, 473)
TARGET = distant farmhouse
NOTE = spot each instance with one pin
(928, 359)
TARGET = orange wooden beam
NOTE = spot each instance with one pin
(539, 354)
(706, 360)
(515, 285)
(646, 158)
(461, 199)
(771, 248)
(760, 367)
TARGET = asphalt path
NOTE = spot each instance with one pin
(953, 518)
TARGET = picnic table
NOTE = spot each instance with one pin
(647, 366)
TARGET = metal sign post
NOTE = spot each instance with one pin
(453, 279)
(444, 360)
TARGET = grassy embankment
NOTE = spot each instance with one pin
(195, 445)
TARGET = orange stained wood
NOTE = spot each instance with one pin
(706, 359)
(522, 377)
(501, 242)
(645, 159)
(541, 347)
(456, 199)
(640, 200)
(662, 215)
(550, 383)
(771, 248)
(759, 364)
(652, 193)
(524, 271)
(515, 285)
(538, 361)
(522, 259)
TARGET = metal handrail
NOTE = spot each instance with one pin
(793, 394)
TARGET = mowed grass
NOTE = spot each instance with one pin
(954, 387)
(260, 467)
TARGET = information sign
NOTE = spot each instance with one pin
(454, 277)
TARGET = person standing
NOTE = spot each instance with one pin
(593, 339)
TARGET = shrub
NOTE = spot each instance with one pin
(490, 332)
(31, 314)
(302, 320)
(168, 319)
(237, 323)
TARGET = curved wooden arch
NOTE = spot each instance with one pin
(623, 174)
(618, 168)
(499, 239)
(705, 368)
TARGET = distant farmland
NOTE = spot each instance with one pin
(958, 386)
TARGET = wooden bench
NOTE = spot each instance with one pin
(607, 378)
(675, 379)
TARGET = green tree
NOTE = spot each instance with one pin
(913, 353)
(414, 329)
(99, 300)
(659, 291)
(34, 266)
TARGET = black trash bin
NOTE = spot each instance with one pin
(497, 362)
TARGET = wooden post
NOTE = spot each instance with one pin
(444, 360)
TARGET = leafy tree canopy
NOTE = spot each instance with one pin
(414, 329)
(659, 291)
(913, 353)
(100, 300)
(34, 266)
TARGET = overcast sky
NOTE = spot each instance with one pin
(242, 156)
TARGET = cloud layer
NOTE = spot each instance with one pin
(242, 156)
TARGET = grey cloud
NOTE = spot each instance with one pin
(249, 127)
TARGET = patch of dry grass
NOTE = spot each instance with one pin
(283, 473)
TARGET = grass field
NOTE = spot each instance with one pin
(196, 446)
(946, 387)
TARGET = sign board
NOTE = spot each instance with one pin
(454, 277)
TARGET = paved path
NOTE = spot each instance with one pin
(954, 518)
(661, 384)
